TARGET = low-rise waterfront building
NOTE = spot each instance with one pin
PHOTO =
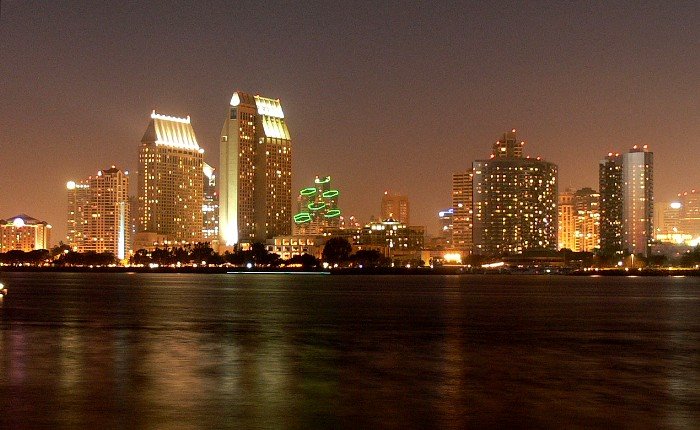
(24, 233)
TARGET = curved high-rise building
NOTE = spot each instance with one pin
(255, 172)
(638, 199)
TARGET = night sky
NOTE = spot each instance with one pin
(379, 95)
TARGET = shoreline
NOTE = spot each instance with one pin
(444, 270)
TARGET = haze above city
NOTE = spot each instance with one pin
(383, 96)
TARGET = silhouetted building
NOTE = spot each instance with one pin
(462, 212)
(610, 182)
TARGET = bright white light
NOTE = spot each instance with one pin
(452, 257)
(235, 100)
(269, 107)
(492, 265)
(249, 265)
(675, 205)
(70, 185)
(185, 120)
(18, 222)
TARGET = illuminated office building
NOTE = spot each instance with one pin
(255, 188)
(24, 233)
(446, 219)
(395, 206)
(78, 214)
(567, 220)
(210, 206)
(610, 182)
(638, 200)
(99, 213)
(667, 218)
(587, 212)
(514, 201)
(170, 181)
(690, 213)
(317, 208)
(462, 212)
(393, 239)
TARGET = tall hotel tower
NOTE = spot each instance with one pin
(638, 199)
(170, 180)
(515, 201)
(255, 188)
(98, 213)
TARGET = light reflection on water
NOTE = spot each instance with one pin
(193, 351)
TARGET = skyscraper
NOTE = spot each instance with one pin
(210, 206)
(515, 201)
(446, 219)
(78, 205)
(690, 216)
(610, 182)
(395, 206)
(638, 199)
(170, 180)
(317, 208)
(668, 216)
(255, 188)
(587, 213)
(462, 212)
(99, 213)
(567, 220)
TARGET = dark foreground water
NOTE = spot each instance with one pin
(317, 351)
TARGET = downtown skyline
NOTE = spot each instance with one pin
(370, 109)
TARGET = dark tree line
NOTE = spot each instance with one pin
(338, 250)
(188, 254)
(15, 256)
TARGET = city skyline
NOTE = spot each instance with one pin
(630, 82)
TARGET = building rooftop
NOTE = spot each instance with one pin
(170, 131)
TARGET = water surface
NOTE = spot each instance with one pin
(318, 351)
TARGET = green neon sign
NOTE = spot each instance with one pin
(316, 206)
(302, 218)
(333, 213)
(330, 194)
(308, 191)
